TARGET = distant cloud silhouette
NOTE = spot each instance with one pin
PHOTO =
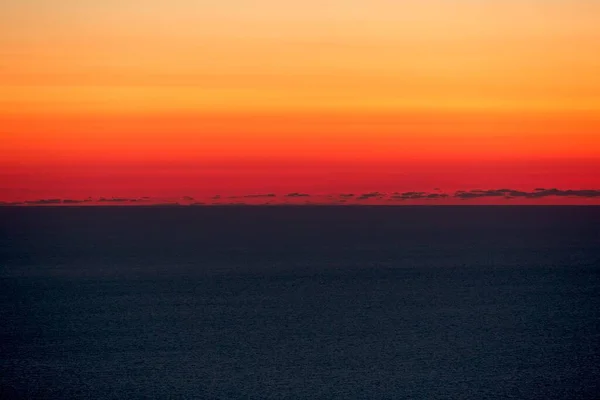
(73, 201)
(537, 193)
(10, 203)
(296, 194)
(44, 201)
(258, 196)
(567, 193)
(114, 200)
(502, 194)
(477, 193)
(413, 195)
(370, 195)
(418, 196)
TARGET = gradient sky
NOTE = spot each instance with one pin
(189, 97)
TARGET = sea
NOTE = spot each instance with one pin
(300, 302)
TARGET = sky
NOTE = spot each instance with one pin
(230, 101)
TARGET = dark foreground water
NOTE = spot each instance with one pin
(300, 303)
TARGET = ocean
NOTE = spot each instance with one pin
(462, 302)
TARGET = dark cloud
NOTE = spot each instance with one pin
(413, 195)
(296, 194)
(258, 196)
(418, 196)
(589, 193)
(370, 195)
(477, 193)
(73, 201)
(437, 196)
(501, 194)
(114, 200)
(537, 193)
(11, 203)
(253, 196)
(44, 201)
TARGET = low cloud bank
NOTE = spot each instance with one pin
(535, 194)
(296, 194)
(348, 198)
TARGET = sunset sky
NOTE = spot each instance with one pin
(132, 99)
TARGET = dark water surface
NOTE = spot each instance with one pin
(300, 303)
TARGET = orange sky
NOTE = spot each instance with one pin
(185, 97)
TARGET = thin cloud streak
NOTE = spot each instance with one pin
(535, 194)
(434, 197)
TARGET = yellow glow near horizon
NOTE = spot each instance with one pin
(237, 55)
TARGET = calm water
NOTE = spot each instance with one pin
(300, 303)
